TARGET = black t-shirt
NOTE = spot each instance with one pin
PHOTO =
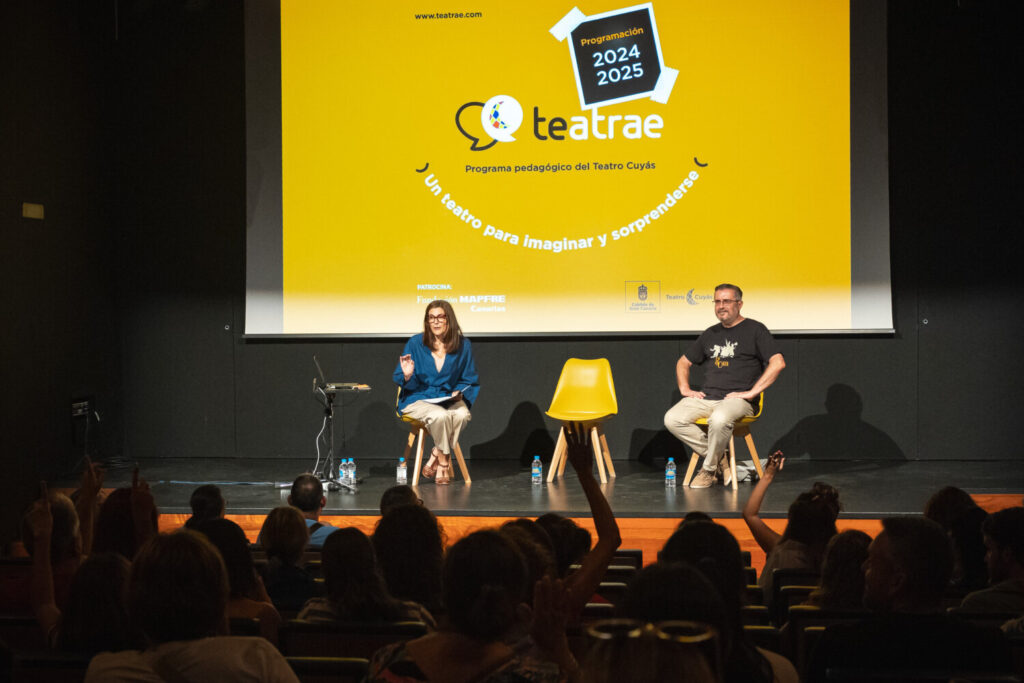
(738, 356)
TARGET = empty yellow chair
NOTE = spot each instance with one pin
(740, 428)
(585, 393)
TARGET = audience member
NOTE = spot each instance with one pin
(308, 496)
(62, 554)
(177, 595)
(810, 523)
(581, 584)
(486, 593)
(907, 572)
(842, 572)
(94, 618)
(284, 536)
(535, 545)
(955, 511)
(695, 516)
(628, 651)
(409, 544)
(206, 503)
(570, 541)
(402, 494)
(1003, 532)
(355, 587)
(714, 551)
(127, 519)
(248, 597)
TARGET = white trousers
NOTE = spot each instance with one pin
(721, 415)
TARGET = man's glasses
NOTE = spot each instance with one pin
(725, 302)
(437, 318)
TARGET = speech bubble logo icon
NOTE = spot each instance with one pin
(501, 116)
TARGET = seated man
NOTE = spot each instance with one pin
(206, 503)
(907, 571)
(1003, 533)
(308, 495)
(745, 361)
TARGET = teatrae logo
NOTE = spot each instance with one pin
(502, 115)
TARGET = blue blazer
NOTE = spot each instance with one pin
(457, 372)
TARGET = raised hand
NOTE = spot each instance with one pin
(775, 462)
(40, 517)
(92, 479)
(578, 448)
(407, 365)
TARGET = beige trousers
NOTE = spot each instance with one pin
(721, 415)
(444, 422)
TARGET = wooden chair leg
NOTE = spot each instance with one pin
(606, 453)
(595, 443)
(462, 464)
(419, 434)
(559, 457)
(732, 460)
(753, 454)
(690, 468)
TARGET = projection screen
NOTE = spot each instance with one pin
(561, 169)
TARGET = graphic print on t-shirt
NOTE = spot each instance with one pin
(720, 352)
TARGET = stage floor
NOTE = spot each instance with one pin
(868, 489)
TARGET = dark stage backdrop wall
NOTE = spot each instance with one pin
(131, 291)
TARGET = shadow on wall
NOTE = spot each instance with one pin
(525, 435)
(840, 433)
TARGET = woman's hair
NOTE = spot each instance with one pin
(178, 588)
(354, 584)
(535, 545)
(284, 534)
(452, 338)
(947, 505)
(811, 518)
(410, 550)
(842, 572)
(570, 541)
(485, 580)
(206, 503)
(644, 658)
(230, 541)
(65, 538)
(96, 617)
(714, 551)
(115, 525)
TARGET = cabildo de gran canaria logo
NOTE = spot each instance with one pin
(616, 57)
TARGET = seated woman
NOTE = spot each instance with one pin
(247, 598)
(810, 524)
(487, 595)
(355, 587)
(438, 384)
(284, 536)
(177, 594)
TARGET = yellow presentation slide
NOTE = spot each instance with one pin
(564, 168)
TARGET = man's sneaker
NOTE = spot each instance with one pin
(726, 470)
(703, 480)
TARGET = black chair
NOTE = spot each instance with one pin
(766, 637)
(745, 554)
(344, 638)
(633, 556)
(788, 577)
(593, 611)
(755, 615)
(755, 595)
(612, 591)
(751, 575)
(22, 632)
(911, 675)
(329, 669)
(804, 627)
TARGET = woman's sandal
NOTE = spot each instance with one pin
(430, 467)
(443, 474)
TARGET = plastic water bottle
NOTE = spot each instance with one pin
(400, 472)
(343, 471)
(352, 472)
(670, 473)
(537, 471)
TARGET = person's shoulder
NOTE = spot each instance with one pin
(783, 670)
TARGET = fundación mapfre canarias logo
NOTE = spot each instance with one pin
(500, 117)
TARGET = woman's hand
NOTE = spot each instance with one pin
(578, 448)
(407, 365)
(775, 462)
